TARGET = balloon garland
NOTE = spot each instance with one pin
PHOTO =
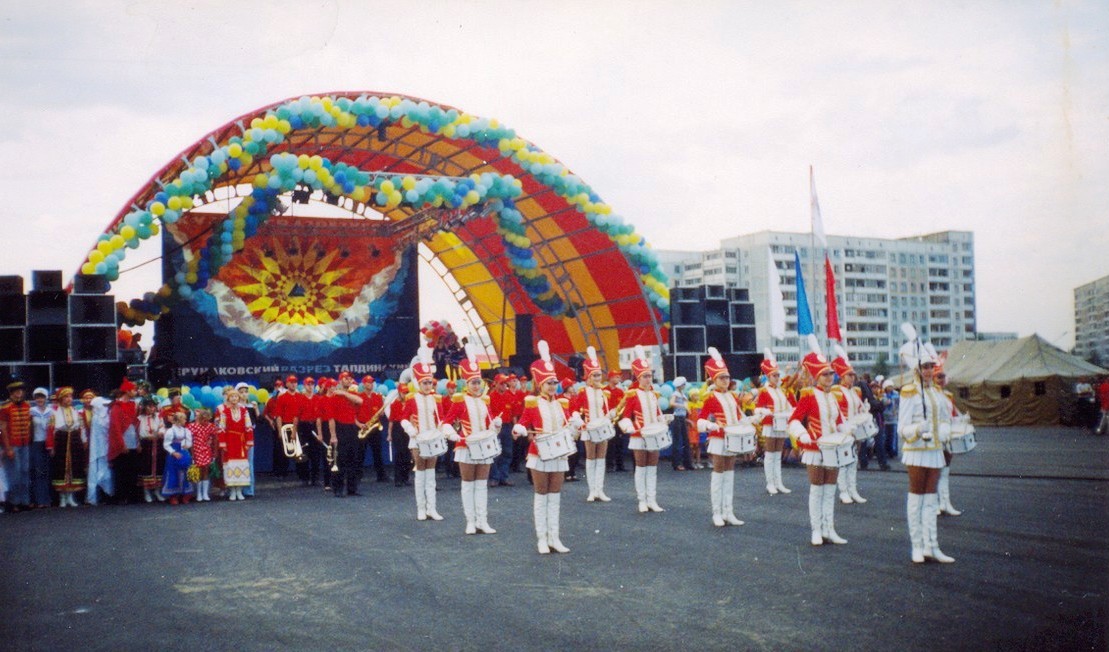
(288, 170)
(521, 258)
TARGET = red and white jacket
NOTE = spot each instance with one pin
(542, 416)
(466, 411)
(642, 409)
(816, 414)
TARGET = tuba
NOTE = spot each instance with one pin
(291, 443)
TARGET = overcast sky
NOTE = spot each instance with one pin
(695, 120)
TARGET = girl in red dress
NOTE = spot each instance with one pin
(236, 439)
(643, 411)
(152, 432)
(205, 439)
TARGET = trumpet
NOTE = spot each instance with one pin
(291, 443)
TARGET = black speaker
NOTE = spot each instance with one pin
(525, 352)
(34, 375)
(92, 309)
(47, 308)
(11, 344)
(90, 284)
(49, 343)
(688, 339)
(100, 377)
(93, 343)
(13, 310)
(11, 285)
(46, 280)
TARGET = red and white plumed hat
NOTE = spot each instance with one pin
(591, 363)
(640, 364)
(715, 365)
(468, 368)
(841, 365)
(421, 366)
(815, 363)
(542, 369)
(769, 363)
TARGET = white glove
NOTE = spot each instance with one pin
(945, 432)
(761, 413)
(704, 425)
(797, 430)
(408, 428)
(575, 420)
(805, 438)
(668, 418)
(497, 423)
(449, 432)
(626, 426)
(519, 431)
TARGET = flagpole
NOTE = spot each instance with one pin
(812, 254)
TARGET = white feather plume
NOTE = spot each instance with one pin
(592, 353)
(544, 350)
(471, 353)
(908, 331)
(423, 355)
(769, 356)
(814, 346)
(840, 353)
(715, 354)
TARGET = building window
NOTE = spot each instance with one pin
(1006, 391)
(1040, 388)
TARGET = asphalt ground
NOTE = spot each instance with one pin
(296, 569)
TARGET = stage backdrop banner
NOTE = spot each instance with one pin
(306, 295)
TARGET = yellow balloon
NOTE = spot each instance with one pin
(104, 247)
(154, 229)
(118, 242)
(174, 203)
(387, 187)
(89, 268)
(158, 208)
(234, 150)
(408, 183)
(302, 161)
(96, 256)
(128, 232)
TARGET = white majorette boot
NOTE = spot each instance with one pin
(590, 482)
(853, 483)
(554, 502)
(931, 545)
(599, 478)
(429, 488)
(199, 491)
(916, 526)
(778, 474)
(481, 507)
(468, 506)
(828, 523)
(421, 495)
(539, 512)
(727, 487)
(652, 488)
(945, 493)
(716, 494)
(768, 471)
(149, 497)
(841, 484)
(641, 488)
(816, 507)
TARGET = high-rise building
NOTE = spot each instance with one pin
(927, 280)
(1091, 321)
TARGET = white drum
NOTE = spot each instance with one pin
(555, 445)
(599, 430)
(837, 449)
(962, 436)
(483, 445)
(865, 428)
(781, 422)
(431, 443)
(656, 436)
(739, 438)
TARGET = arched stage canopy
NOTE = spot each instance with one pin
(508, 227)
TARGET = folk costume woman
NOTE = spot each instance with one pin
(177, 442)
(924, 424)
(205, 441)
(545, 414)
(592, 405)
(817, 415)
(68, 440)
(721, 409)
(235, 441)
(853, 407)
(152, 456)
(423, 413)
(642, 411)
(468, 415)
(773, 399)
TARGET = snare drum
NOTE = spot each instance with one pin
(837, 450)
(431, 443)
(483, 445)
(555, 445)
(865, 428)
(739, 438)
(781, 423)
(962, 436)
(599, 430)
(656, 436)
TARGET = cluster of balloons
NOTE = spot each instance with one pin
(433, 331)
(282, 172)
(521, 258)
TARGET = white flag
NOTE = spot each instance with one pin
(776, 302)
(817, 222)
